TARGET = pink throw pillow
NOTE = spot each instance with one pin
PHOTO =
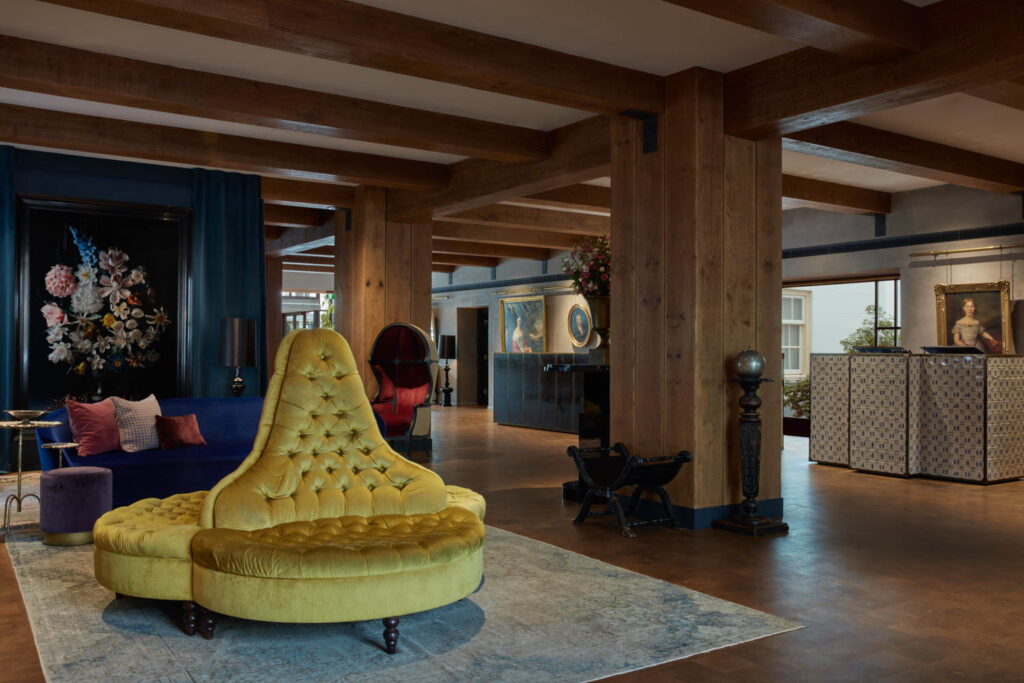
(94, 427)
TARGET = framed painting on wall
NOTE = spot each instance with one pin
(103, 301)
(523, 328)
(975, 315)
(580, 325)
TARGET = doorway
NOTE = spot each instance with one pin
(482, 355)
(473, 356)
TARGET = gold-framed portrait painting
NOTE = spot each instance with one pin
(581, 325)
(523, 328)
(975, 315)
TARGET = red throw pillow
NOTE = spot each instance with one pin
(94, 427)
(387, 387)
(178, 432)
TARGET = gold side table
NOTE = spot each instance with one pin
(21, 426)
(60, 446)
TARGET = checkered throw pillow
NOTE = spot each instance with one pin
(136, 422)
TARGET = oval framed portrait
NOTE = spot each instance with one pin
(581, 326)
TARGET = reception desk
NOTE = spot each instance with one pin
(947, 416)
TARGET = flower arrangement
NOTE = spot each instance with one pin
(590, 266)
(102, 315)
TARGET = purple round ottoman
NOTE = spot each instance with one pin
(71, 499)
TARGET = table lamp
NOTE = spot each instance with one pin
(447, 353)
(238, 348)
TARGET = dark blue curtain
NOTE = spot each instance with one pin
(228, 276)
(8, 283)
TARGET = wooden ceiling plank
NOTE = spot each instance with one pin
(441, 268)
(69, 72)
(515, 236)
(289, 192)
(848, 197)
(97, 135)
(366, 36)
(865, 30)
(968, 44)
(294, 216)
(302, 259)
(486, 249)
(465, 260)
(579, 196)
(580, 151)
(508, 216)
(878, 148)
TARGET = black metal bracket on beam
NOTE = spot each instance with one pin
(879, 225)
(649, 129)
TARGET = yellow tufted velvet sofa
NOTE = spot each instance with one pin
(322, 522)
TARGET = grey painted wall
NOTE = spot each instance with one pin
(932, 209)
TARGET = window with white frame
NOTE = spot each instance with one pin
(796, 346)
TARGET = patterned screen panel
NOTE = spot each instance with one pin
(1005, 393)
(947, 418)
(878, 413)
(830, 408)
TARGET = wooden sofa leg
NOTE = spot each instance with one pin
(189, 617)
(207, 622)
(391, 635)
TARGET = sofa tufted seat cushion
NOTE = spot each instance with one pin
(466, 498)
(145, 549)
(342, 547)
(340, 569)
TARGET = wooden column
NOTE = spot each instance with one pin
(696, 253)
(275, 323)
(381, 274)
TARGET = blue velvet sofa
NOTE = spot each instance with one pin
(228, 425)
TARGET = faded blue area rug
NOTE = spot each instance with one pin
(528, 622)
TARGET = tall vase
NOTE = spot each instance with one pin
(600, 315)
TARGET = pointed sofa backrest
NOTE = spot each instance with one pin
(318, 452)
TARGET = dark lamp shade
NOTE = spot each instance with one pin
(238, 342)
(447, 346)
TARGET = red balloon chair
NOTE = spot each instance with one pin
(404, 361)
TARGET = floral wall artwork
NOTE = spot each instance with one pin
(103, 313)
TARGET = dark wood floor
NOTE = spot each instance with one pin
(902, 580)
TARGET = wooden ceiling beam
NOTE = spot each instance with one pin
(272, 232)
(367, 36)
(69, 72)
(306, 194)
(297, 240)
(485, 249)
(846, 197)
(303, 268)
(97, 135)
(968, 43)
(508, 216)
(882, 149)
(465, 260)
(294, 216)
(441, 268)
(303, 259)
(579, 196)
(865, 30)
(511, 236)
(1009, 93)
(580, 151)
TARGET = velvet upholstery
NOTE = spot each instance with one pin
(227, 424)
(180, 431)
(71, 500)
(321, 522)
(94, 427)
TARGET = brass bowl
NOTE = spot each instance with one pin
(25, 416)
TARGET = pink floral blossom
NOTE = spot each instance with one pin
(60, 281)
(53, 314)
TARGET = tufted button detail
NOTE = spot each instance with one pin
(314, 453)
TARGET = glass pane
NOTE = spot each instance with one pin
(798, 309)
(787, 308)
